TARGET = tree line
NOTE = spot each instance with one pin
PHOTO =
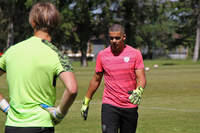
(148, 24)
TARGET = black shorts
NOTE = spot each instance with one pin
(115, 119)
(9, 129)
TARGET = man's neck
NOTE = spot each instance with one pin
(42, 35)
(118, 52)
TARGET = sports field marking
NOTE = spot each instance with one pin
(171, 109)
(150, 108)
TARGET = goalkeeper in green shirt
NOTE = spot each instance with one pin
(32, 67)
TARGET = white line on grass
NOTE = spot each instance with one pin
(148, 108)
(171, 109)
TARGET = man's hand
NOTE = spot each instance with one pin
(85, 107)
(4, 106)
(136, 95)
(55, 113)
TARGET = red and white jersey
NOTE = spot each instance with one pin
(119, 74)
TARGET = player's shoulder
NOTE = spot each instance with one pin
(52, 50)
(16, 46)
(55, 50)
(105, 51)
(50, 45)
(132, 49)
(24, 43)
(29, 40)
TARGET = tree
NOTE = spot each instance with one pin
(14, 14)
(7, 8)
(186, 14)
(196, 48)
(129, 10)
(197, 43)
(146, 23)
(3, 30)
(85, 22)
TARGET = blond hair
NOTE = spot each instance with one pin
(45, 16)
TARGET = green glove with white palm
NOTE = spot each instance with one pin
(55, 113)
(85, 107)
(136, 95)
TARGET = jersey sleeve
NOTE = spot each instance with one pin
(63, 64)
(3, 59)
(99, 67)
(139, 61)
(3, 62)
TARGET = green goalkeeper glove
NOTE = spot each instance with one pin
(55, 113)
(136, 95)
(4, 106)
(85, 107)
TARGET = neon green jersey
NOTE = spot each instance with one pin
(32, 67)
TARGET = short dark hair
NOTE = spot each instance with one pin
(117, 28)
(45, 16)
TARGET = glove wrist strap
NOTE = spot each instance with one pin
(60, 114)
(140, 88)
(4, 106)
(86, 101)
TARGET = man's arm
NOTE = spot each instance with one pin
(136, 94)
(140, 77)
(67, 99)
(4, 106)
(94, 84)
(70, 92)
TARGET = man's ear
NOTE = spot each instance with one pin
(124, 37)
(32, 24)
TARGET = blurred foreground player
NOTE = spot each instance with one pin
(32, 67)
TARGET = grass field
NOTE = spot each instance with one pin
(171, 101)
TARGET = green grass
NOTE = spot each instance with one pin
(170, 102)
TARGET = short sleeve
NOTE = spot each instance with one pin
(139, 61)
(99, 67)
(63, 64)
(3, 62)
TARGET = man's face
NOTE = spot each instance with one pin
(117, 41)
